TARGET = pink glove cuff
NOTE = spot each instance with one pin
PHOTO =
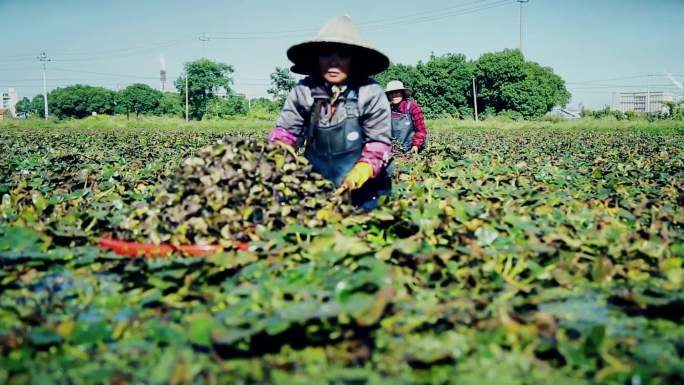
(376, 154)
(279, 134)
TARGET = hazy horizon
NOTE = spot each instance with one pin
(599, 48)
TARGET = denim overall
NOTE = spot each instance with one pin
(402, 128)
(333, 151)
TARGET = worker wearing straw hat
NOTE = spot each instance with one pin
(408, 123)
(340, 115)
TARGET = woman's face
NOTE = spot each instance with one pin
(334, 66)
(396, 97)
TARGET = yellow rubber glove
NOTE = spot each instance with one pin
(358, 175)
(286, 147)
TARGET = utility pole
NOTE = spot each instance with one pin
(477, 119)
(521, 22)
(648, 94)
(187, 109)
(204, 39)
(43, 58)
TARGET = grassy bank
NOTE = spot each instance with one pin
(166, 123)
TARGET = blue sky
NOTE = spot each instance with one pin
(597, 46)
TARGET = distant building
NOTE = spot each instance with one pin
(643, 101)
(221, 93)
(8, 101)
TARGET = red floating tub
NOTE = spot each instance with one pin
(139, 249)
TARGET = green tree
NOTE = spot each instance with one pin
(170, 104)
(233, 105)
(140, 99)
(23, 107)
(494, 70)
(282, 82)
(266, 105)
(439, 85)
(205, 79)
(79, 101)
(675, 110)
(264, 109)
(506, 82)
(443, 84)
(237, 105)
(538, 92)
(37, 106)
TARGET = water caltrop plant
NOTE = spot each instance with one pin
(517, 256)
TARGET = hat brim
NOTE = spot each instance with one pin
(366, 60)
(407, 91)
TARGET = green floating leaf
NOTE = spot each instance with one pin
(18, 238)
(44, 336)
(200, 329)
(89, 333)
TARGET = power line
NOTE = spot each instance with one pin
(309, 31)
(630, 77)
(379, 24)
(111, 84)
(609, 79)
(113, 56)
(462, 12)
(623, 86)
(14, 68)
(55, 80)
(17, 59)
(259, 37)
(131, 48)
(432, 12)
(104, 73)
(103, 54)
(100, 79)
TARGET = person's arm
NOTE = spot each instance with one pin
(294, 115)
(376, 121)
(418, 124)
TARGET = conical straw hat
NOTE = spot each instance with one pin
(338, 31)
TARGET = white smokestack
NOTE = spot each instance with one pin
(675, 81)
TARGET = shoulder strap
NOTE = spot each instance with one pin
(351, 102)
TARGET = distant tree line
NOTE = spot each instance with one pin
(505, 83)
(209, 96)
(80, 101)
